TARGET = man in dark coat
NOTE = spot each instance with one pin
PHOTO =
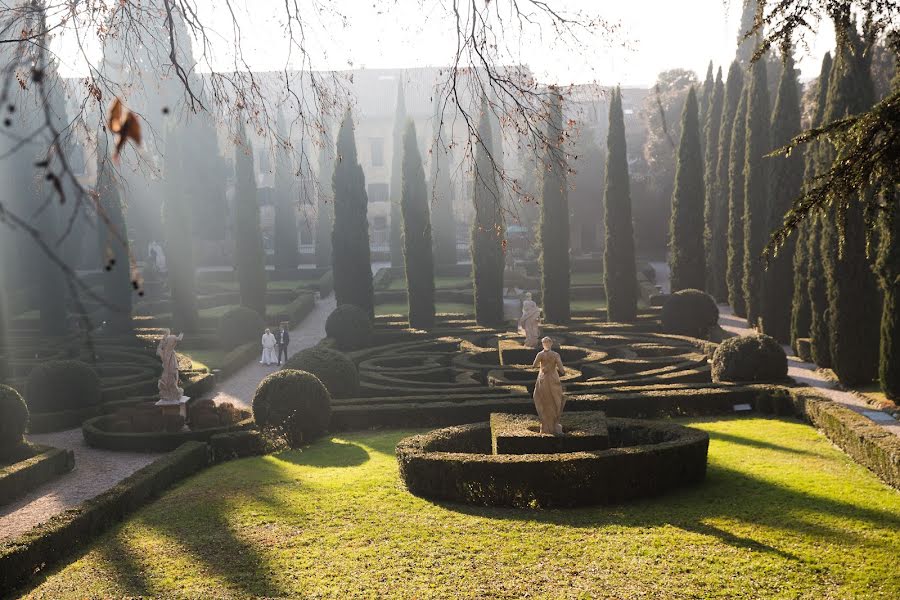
(283, 337)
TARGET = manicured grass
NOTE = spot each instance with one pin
(280, 285)
(401, 308)
(440, 282)
(783, 514)
(209, 358)
(587, 279)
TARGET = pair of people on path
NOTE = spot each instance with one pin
(275, 345)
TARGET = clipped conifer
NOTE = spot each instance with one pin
(178, 230)
(554, 227)
(287, 235)
(117, 282)
(417, 243)
(325, 201)
(441, 191)
(248, 252)
(350, 237)
(396, 232)
(711, 133)
(734, 274)
(619, 269)
(687, 260)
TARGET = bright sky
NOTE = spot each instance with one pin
(656, 35)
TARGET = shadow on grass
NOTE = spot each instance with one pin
(332, 453)
(745, 441)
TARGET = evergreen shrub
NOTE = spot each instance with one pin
(239, 326)
(334, 369)
(61, 385)
(13, 419)
(749, 358)
(689, 312)
(295, 403)
(350, 327)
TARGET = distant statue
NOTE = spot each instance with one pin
(530, 322)
(269, 355)
(548, 393)
(168, 382)
(157, 256)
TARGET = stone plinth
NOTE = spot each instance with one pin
(174, 407)
(520, 434)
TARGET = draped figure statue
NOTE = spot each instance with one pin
(548, 393)
(168, 381)
(530, 321)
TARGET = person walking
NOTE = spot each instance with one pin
(284, 338)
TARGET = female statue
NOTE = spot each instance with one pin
(168, 382)
(530, 321)
(548, 392)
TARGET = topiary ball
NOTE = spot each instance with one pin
(61, 385)
(13, 419)
(295, 403)
(333, 368)
(689, 312)
(239, 326)
(755, 357)
(350, 327)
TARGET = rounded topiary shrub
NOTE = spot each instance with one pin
(750, 358)
(61, 385)
(350, 327)
(294, 403)
(239, 326)
(13, 419)
(689, 312)
(333, 368)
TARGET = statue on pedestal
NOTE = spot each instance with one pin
(548, 393)
(530, 321)
(168, 381)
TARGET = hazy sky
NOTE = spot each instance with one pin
(655, 35)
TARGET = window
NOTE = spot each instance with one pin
(377, 148)
(378, 192)
(379, 231)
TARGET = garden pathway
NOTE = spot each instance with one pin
(98, 470)
(802, 372)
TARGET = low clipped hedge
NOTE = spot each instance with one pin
(751, 358)
(13, 420)
(456, 464)
(350, 327)
(62, 385)
(40, 465)
(239, 326)
(26, 557)
(241, 444)
(293, 403)
(333, 368)
(689, 312)
(99, 433)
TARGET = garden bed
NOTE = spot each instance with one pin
(34, 466)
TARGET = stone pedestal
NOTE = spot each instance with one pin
(520, 434)
(174, 407)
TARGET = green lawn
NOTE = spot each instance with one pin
(587, 278)
(209, 358)
(280, 285)
(440, 282)
(401, 308)
(783, 514)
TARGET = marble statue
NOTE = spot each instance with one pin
(269, 356)
(157, 258)
(530, 321)
(168, 382)
(548, 393)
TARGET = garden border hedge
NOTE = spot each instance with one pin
(42, 547)
(157, 441)
(45, 464)
(455, 464)
(62, 420)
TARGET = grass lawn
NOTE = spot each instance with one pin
(209, 358)
(401, 308)
(232, 286)
(440, 282)
(587, 278)
(783, 514)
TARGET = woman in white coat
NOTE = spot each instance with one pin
(269, 357)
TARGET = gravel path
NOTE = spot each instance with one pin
(98, 470)
(95, 472)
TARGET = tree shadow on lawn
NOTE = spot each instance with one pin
(726, 494)
(330, 453)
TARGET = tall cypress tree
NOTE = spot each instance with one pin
(487, 229)
(444, 220)
(853, 297)
(687, 261)
(249, 254)
(787, 181)
(117, 282)
(178, 230)
(711, 133)
(287, 236)
(325, 201)
(718, 251)
(350, 238)
(705, 99)
(554, 259)
(746, 46)
(619, 269)
(734, 274)
(888, 268)
(757, 188)
(417, 243)
(801, 312)
(396, 241)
